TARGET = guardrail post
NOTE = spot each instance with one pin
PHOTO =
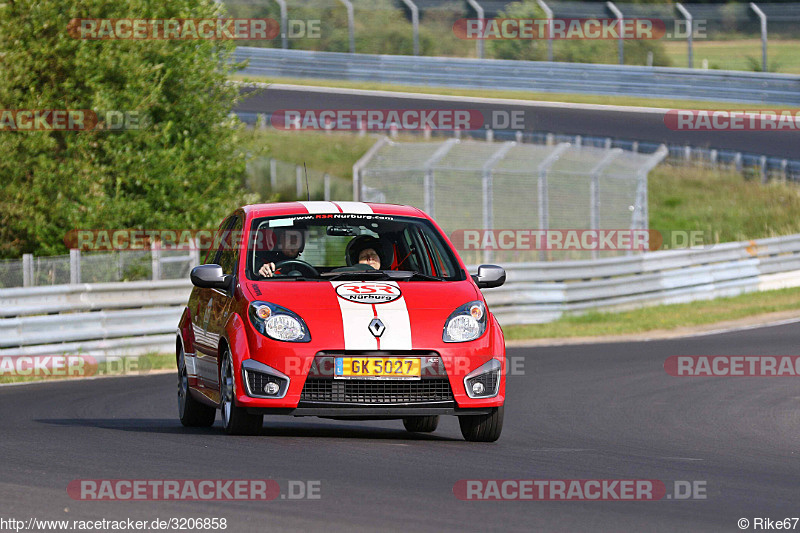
(429, 185)
(273, 174)
(326, 183)
(487, 190)
(27, 270)
(542, 189)
(478, 11)
(518, 136)
(549, 14)
(155, 259)
(489, 136)
(194, 253)
(620, 46)
(762, 165)
(284, 24)
(350, 25)
(763, 17)
(689, 28)
(737, 161)
(74, 266)
(415, 23)
(785, 170)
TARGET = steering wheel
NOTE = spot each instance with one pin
(304, 268)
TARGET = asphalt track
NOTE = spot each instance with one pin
(606, 411)
(619, 122)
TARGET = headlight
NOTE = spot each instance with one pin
(278, 323)
(466, 323)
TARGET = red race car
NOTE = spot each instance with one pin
(339, 310)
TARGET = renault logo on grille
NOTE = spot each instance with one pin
(376, 327)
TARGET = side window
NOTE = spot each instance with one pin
(213, 249)
(229, 247)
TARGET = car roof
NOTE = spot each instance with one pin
(319, 207)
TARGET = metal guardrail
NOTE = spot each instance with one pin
(616, 80)
(136, 317)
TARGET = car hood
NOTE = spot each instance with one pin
(304, 295)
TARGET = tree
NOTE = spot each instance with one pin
(183, 169)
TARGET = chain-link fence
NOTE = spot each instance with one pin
(283, 181)
(97, 267)
(699, 35)
(481, 193)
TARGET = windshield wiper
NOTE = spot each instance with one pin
(357, 274)
(420, 275)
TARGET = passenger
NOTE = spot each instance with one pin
(367, 250)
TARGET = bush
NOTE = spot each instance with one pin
(183, 170)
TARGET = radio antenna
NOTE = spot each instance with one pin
(308, 194)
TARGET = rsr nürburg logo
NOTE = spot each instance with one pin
(368, 293)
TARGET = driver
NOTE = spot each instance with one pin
(289, 244)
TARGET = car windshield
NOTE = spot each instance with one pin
(349, 247)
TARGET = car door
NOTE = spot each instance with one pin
(221, 302)
(201, 314)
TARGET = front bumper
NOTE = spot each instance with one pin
(307, 386)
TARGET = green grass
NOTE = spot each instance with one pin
(666, 103)
(334, 153)
(128, 366)
(721, 204)
(740, 54)
(661, 317)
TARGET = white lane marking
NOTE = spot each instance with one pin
(464, 99)
(320, 207)
(359, 208)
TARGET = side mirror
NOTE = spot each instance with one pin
(489, 276)
(209, 277)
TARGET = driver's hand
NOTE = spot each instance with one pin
(267, 270)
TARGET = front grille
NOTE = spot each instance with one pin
(372, 391)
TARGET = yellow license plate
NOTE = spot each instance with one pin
(377, 367)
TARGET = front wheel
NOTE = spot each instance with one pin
(236, 420)
(421, 424)
(482, 428)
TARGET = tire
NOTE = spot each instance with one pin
(236, 420)
(191, 412)
(421, 424)
(482, 428)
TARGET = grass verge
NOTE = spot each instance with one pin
(661, 317)
(667, 103)
(120, 367)
(737, 54)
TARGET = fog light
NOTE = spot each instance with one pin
(478, 388)
(271, 388)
